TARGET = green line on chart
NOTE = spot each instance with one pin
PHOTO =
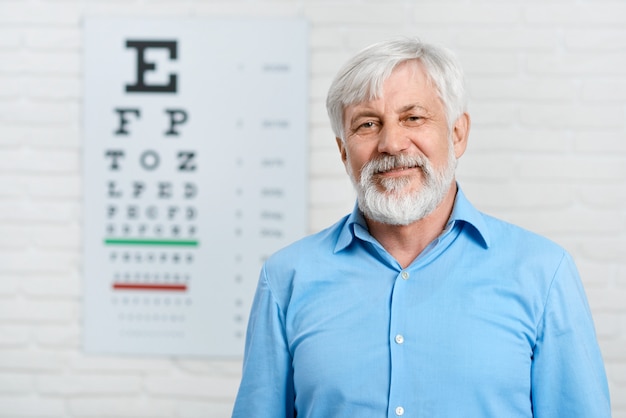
(157, 242)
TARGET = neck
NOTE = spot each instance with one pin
(406, 242)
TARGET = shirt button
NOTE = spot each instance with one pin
(405, 275)
(399, 411)
(399, 338)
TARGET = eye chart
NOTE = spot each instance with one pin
(194, 173)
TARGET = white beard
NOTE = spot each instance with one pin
(393, 206)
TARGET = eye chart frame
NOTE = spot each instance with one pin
(194, 171)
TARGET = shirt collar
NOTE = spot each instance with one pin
(466, 213)
(463, 212)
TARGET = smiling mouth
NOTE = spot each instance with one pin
(395, 169)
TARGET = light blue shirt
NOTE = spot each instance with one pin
(489, 321)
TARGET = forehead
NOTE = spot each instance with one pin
(407, 84)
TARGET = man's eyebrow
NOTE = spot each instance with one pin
(411, 106)
(365, 113)
(371, 113)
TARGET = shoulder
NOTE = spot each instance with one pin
(323, 241)
(525, 263)
(523, 248)
(503, 233)
(498, 236)
(302, 255)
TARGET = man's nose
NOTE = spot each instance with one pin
(393, 139)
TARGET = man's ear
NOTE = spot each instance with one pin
(460, 134)
(342, 149)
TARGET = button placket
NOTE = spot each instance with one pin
(402, 290)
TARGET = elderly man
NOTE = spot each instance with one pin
(417, 304)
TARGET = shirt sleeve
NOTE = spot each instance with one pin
(266, 389)
(568, 377)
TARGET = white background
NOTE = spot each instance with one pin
(547, 150)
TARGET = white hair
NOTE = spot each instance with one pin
(362, 77)
(393, 207)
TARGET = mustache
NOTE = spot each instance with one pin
(384, 163)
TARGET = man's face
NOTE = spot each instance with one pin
(398, 149)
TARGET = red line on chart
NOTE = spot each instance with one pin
(148, 286)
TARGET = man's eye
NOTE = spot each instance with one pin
(364, 127)
(413, 120)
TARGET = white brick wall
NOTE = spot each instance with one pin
(547, 151)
